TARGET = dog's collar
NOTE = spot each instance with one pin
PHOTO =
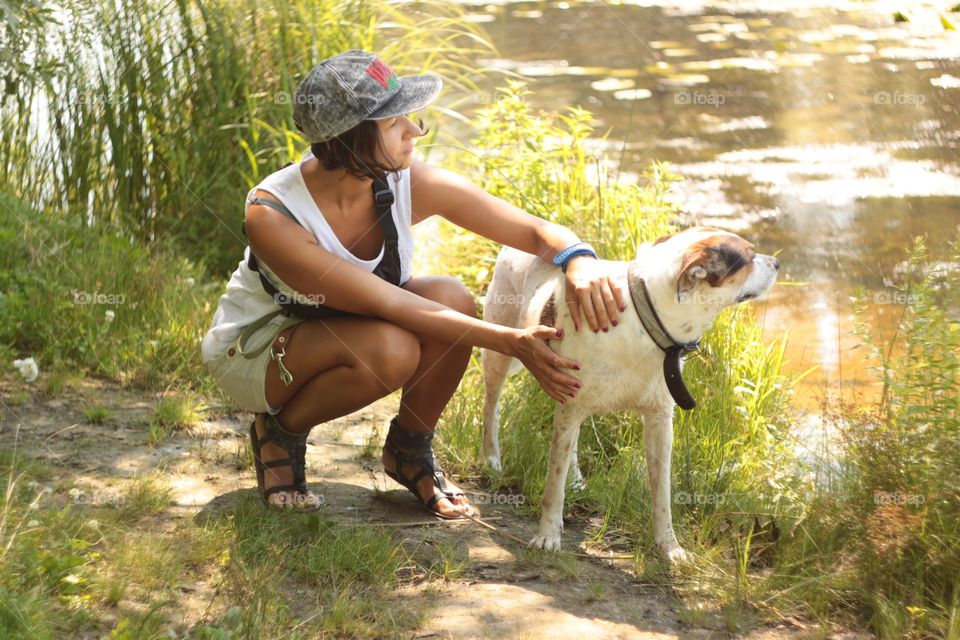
(672, 349)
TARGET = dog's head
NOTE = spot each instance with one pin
(716, 268)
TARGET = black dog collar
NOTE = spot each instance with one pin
(672, 349)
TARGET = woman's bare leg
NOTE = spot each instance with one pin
(435, 380)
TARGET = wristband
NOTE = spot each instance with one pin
(574, 250)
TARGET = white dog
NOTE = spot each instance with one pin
(679, 284)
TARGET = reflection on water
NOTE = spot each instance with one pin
(823, 132)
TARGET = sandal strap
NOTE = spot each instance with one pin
(416, 442)
(294, 444)
(419, 453)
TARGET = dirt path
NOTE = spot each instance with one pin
(495, 588)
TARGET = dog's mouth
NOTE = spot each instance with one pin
(746, 296)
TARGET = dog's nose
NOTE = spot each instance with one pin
(776, 264)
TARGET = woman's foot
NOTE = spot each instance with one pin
(281, 475)
(454, 507)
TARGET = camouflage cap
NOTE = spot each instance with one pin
(343, 91)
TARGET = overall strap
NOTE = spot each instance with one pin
(389, 267)
(252, 327)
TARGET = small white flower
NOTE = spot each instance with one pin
(153, 343)
(93, 524)
(33, 523)
(28, 369)
(191, 282)
(109, 315)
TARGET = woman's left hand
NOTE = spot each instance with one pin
(589, 289)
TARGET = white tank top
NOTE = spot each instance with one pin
(245, 299)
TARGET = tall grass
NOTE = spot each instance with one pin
(730, 454)
(152, 117)
(881, 544)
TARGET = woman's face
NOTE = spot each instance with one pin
(397, 134)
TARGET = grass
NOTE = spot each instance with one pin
(79, 568)
(173, 414)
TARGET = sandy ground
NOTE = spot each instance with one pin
(498, 594)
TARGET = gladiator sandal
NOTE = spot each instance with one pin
(295, 446)
(418, 446)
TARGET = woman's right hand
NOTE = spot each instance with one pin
(530, 347)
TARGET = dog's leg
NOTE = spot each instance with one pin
(576, 478)
(658, 442)
(496, 366)
(566, 428)
(501, 305)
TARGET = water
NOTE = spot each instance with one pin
(824, 132)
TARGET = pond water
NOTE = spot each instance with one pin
(826, 133)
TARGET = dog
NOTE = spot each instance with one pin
(679, 283)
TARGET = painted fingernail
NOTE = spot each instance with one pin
(577, 385)
(559, 333)
(623, 308)
(613, 322)
(573, 394)
(577, 367)
(606, 329)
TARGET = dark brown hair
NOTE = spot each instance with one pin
(354, 151)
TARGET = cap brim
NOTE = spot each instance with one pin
(416, 92)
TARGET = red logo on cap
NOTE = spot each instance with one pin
(382, 74)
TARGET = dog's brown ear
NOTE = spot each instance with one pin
(691, 275)
(663, 238)
(714, 260)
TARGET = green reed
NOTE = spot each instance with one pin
(153, 118)
(880, 545)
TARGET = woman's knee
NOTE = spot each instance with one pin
(394, 355)
(450, 292)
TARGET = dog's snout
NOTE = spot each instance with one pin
(770, 260)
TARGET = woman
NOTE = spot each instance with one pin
(318, 239)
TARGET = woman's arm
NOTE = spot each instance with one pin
(292, 253)
(443, 192)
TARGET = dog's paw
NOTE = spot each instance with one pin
(673, 552)
(550, 542)
(493, 462)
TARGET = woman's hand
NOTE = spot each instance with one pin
(591, 290)
(544, 363)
